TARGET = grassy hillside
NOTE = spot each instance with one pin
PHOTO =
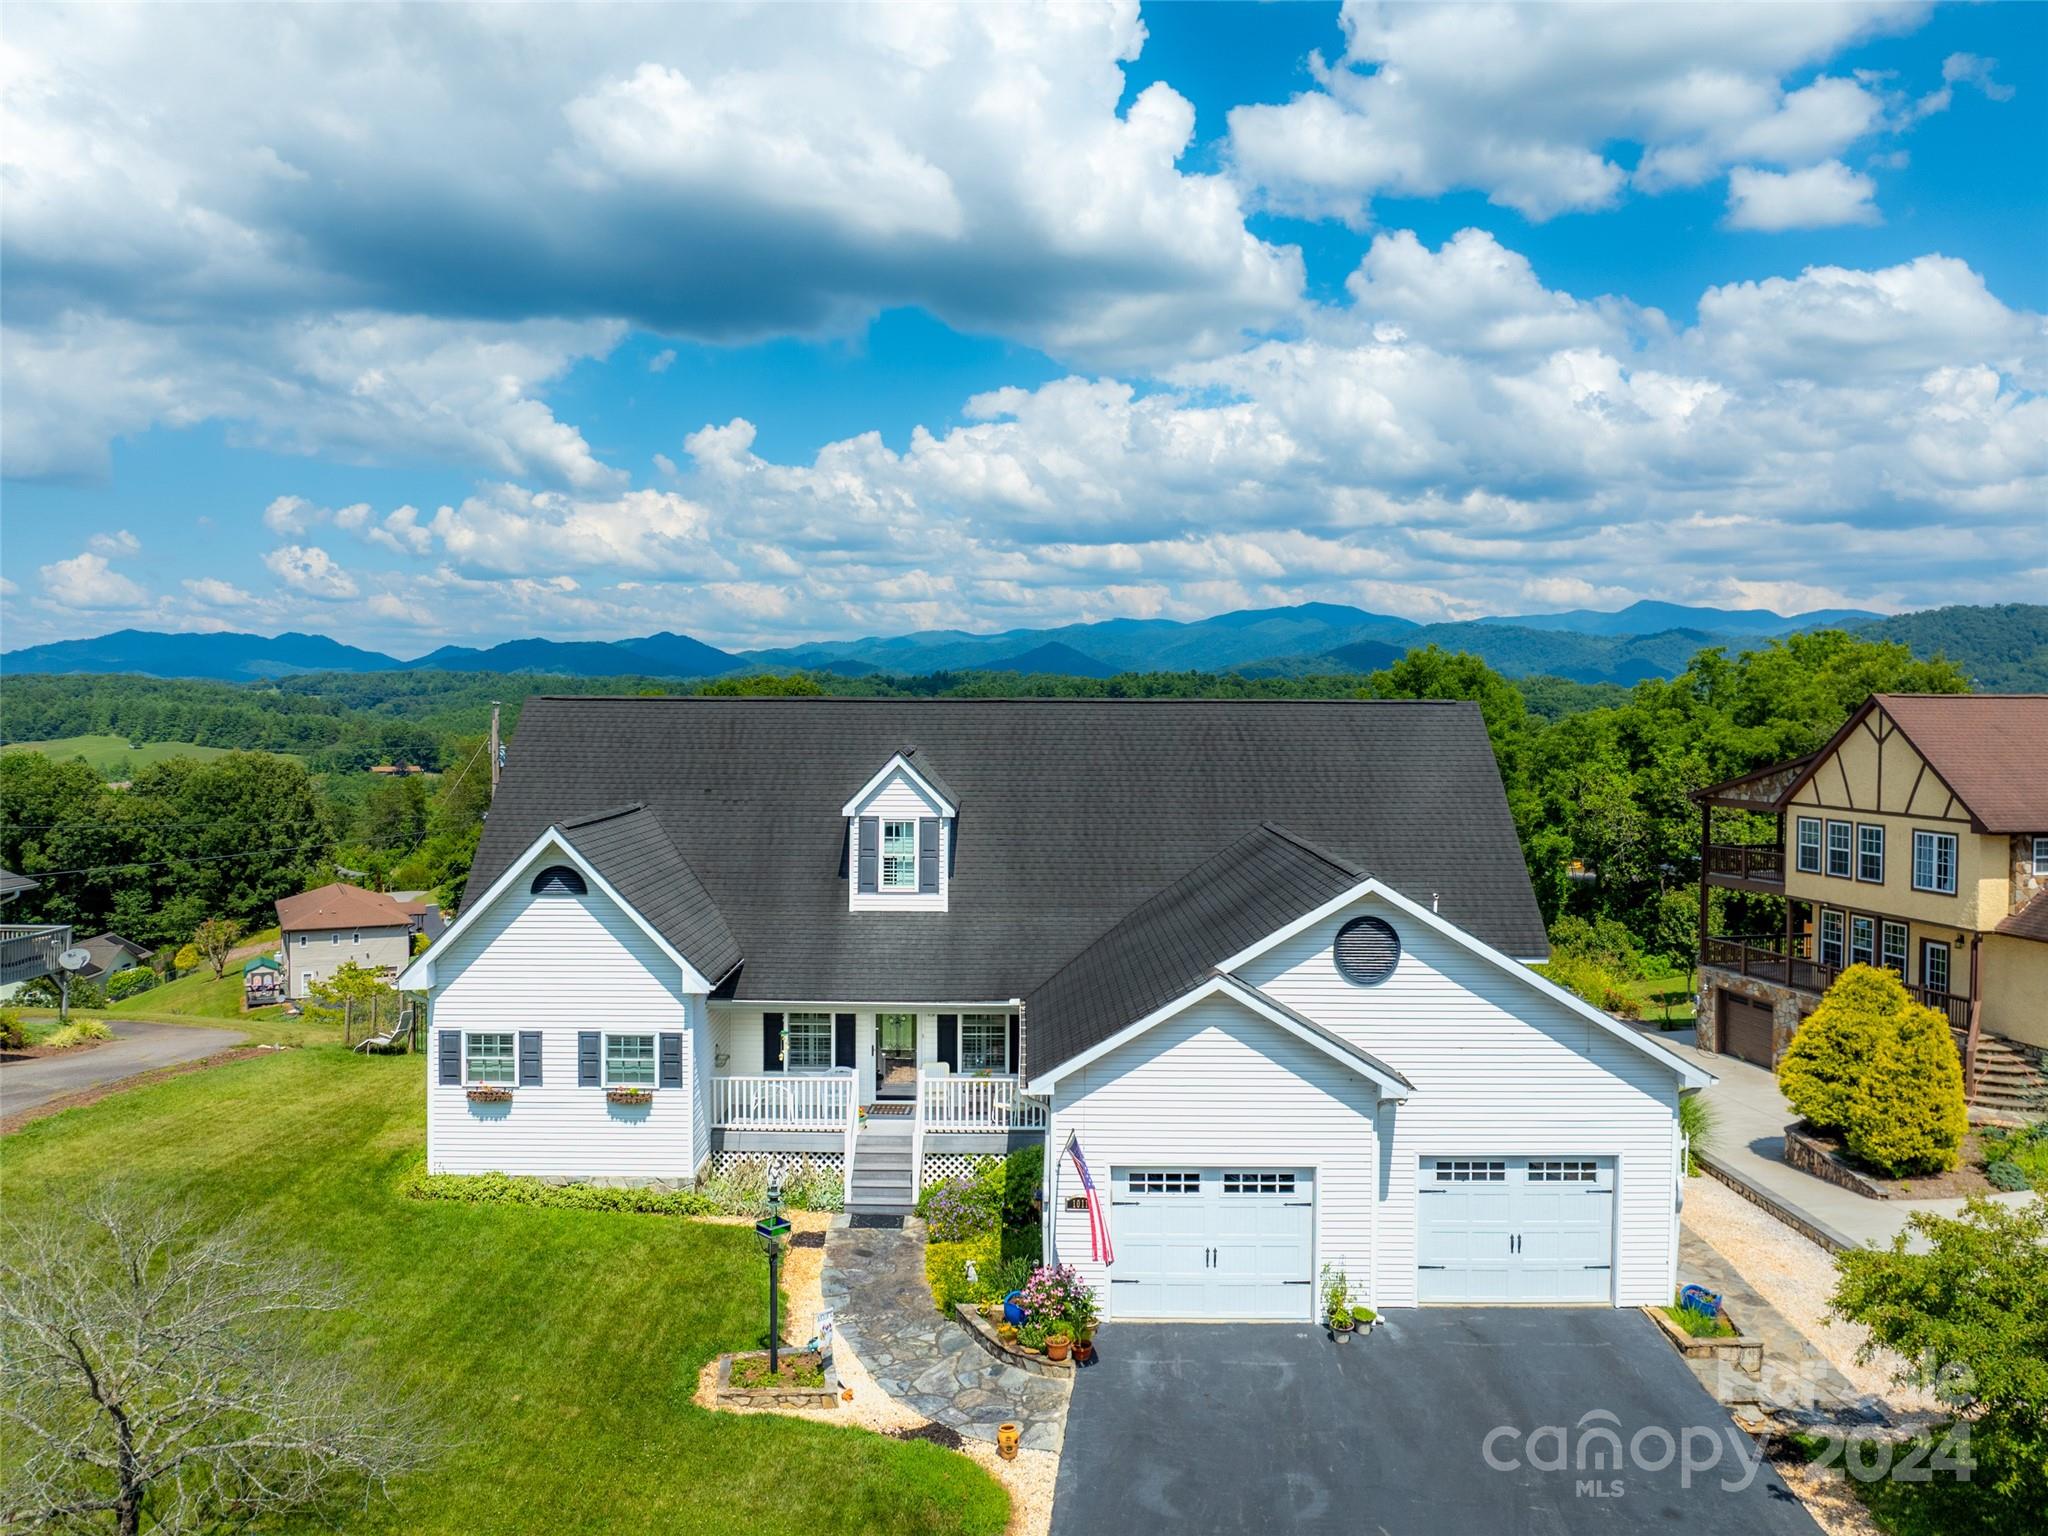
(552, 1355)
(112, 756)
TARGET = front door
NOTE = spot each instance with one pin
(896, 1055)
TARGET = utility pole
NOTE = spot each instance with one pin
(497, 753)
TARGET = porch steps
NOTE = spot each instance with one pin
(881, 1170)
(2009, 1081)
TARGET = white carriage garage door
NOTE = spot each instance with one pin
(1219, 1243)
(1515, 1229)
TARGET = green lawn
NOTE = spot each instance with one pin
(197, 996)
(556, 1351)
(1664, 997)
(105, 754)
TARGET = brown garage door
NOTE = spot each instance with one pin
(1746, 1030)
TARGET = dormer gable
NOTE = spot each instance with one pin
(899, 830)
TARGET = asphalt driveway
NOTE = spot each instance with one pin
(1461, 1421)
(134, 1048)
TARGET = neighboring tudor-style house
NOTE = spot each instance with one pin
(1917, 838)
(1262, 960)
(321, 930)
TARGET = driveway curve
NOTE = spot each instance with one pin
(136, 1047)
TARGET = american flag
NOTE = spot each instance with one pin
(1098, 1224)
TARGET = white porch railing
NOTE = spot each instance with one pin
(954, 1101)
(780, 1101)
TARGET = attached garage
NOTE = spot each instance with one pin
(1213, 1243)
(1500, 1230)
(1746, 1029)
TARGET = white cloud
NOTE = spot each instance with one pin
(116, 544)
(1524, 103)
(309, 569)
(86, 581)
(509, 530)
(1818, 197)
(662, 361)
(212, 592)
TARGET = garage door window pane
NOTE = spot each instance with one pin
(1165, 1183)
(1467, 1170)
(1564, 1171)
(1258, 1183)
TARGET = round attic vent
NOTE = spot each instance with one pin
(1367, 950)
(558, 880)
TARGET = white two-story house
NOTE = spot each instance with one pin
(1263, 963)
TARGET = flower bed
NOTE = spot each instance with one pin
(806, 1380)
(1733, 1348)
(1823, 1155)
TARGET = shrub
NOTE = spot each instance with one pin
(953, 1214)
(1604, 941)
(1594, 982)
(137, 978)
(2025, 1150)
(12, 1035)
(1696, 1120)
(2007, 1175)
(1003, 1262)
(1970, 1310)
(742, 1190)
(505, 1189)
(997, 1192)
(1882, 1070)
(77, 1032)
(48, 992)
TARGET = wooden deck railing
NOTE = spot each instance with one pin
(1765, 962)
(1747, 862)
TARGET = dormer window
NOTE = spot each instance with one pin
(899, 829)
(899, 855)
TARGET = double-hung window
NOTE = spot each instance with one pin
(1893, 956)
(334, 938)
(1870, 853)
(985, 1042)
(1807, 858)
(629, 1061)
(1934, 965)
(1934, 862)
(1862, 941)
(2041, 855)
(899, 855)
(810, 1042)
(489, 1059)
(1841, 848)
(1830, 936)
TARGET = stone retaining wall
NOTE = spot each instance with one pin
(983, 1332)
(1739, 1351)
(1811, 1155)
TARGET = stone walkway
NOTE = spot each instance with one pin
(874, 1282)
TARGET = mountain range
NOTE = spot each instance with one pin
(2001, 646)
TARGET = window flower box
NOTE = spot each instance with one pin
(629, 1095)
(489, 1093)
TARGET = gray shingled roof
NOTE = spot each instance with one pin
(639, 860)
(1173, 942)
(1073, 812)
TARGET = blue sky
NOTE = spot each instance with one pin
(412, 326)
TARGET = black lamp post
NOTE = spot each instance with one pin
(774, 1232)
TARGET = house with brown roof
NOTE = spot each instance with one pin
(321, 930)
(1916, 838)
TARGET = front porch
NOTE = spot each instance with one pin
(946, 1120)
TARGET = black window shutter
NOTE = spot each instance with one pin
(842, 1040)
(928, 855)
(1015, 1062)
(529, 1058)
(771, 1042)
(589, 1058)
(451, 1057)
(949, 1040)
(670, 1055)
(870, 854)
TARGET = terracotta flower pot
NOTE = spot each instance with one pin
(1056, 1348)
(1006, 1440)
(1084, 1350)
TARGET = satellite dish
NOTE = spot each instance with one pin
(75, 959)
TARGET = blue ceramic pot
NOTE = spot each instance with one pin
(1012, 1313)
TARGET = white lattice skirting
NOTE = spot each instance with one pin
(940, 1166)
(781, 1162)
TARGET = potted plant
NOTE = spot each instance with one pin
(1342, 1324)
(1059, 1339)
(1031, 1338)
(1007, 1332)
(629, 1095)
(1365, 1317)
(489, 1093)
(1337, 1303)
(1084, 1344)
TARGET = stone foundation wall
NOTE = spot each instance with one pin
(1788, 1006)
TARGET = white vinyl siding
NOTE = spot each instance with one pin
(1934, 862)
(1219, 1087)
(1808, 858)
(1500, 1071)
(560, 965)
(314, 958)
